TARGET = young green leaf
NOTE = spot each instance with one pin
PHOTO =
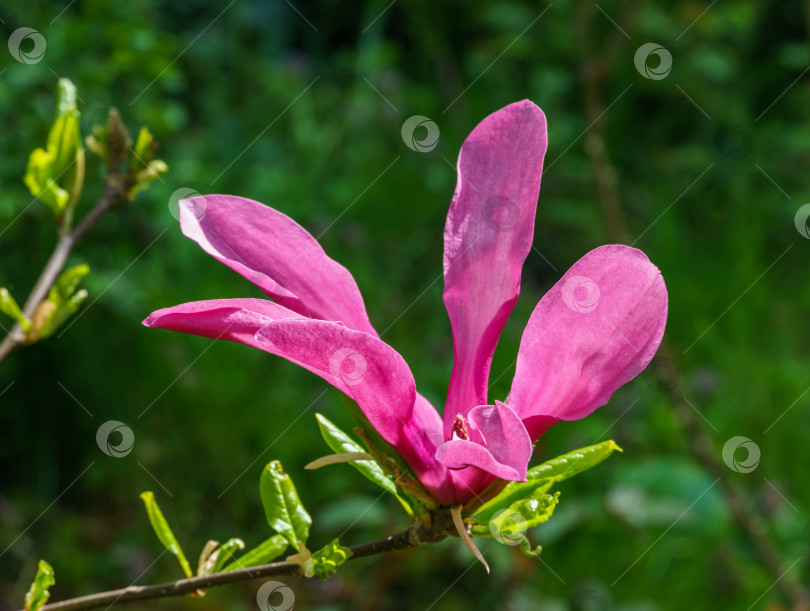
(62, 301)
(526, 548)
(8, 305)
(143, 166)
(163, 532)
(55, 174)
(387, 457)
(327, 559)
(573, 463)
(38, 593)
(542, 477)
(389, 460)
(340, 442)
(214, 556)
(265, 552)
(144, 149)
(511, 522)
(225, 551)
(208, 557)
(284, 510)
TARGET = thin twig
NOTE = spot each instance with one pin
(414, 536)
(598, 64)
(115, 189)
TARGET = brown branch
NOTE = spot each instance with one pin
(115, 189)
(597, 66)
(416, 535)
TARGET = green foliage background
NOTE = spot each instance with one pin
(224, 88)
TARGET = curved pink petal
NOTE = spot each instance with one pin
(235, 320)
(486, 240)
(505, 449)
(276, 254)
(595, 330)
(363, 367)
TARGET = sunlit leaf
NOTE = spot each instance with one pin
(225, 551)
(389, 459)
(62, 301)
(542, 477)
(284, 510)
(526, 548)
(163, 532)
(8, 305)
(208, 558)
(340, 442)
(512, 522)
(265, 552)
(327, 559)
(38, 593)
(214, 556)
(573, 463)
(55, 174)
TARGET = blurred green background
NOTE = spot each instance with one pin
(300, 105)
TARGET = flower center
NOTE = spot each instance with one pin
(460, 428)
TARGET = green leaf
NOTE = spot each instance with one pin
(62, 301)
(38, 593)
(285, 513)
(509, 525)
(144, 167)
(265, 552)
(327, 559)
(526, 548)
(324, 562)
(389, 459)
(226, 550)
(208, 557)
(340, 442)
(573, 463)
(144, 149)
(214, 556)
(68, 280)
(542, 477)
(55, 174)
(8, 305)
(163, 532)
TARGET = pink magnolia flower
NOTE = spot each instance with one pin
(595, 330)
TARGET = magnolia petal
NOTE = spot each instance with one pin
(277, 255)
(486, 240)
(506, 447)
(235, 320)
(363, 367)
(595, 330)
